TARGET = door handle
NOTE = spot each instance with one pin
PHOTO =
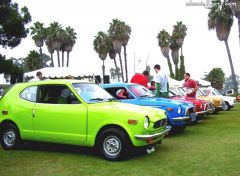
(33, 112)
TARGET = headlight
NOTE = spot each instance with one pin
(146, 122)
(179, 110)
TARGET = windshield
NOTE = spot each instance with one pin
(200, 93)
(92, 93)
(141, 91)
(177, 91)
(216, 92)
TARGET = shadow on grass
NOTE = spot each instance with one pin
(58, 148)
(72, 149)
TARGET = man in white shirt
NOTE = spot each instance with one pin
(161, 80)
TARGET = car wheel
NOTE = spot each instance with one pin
(226, 106)
(176, 129)
(9, 136)
(113, 144)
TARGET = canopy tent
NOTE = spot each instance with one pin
(58, 72)
(174, 83)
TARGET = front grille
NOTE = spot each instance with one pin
(160, 123)
(190, 110)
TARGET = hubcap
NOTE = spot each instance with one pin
(9, 137)
(112, 145)
(225, 107)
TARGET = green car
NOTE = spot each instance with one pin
(77, 113)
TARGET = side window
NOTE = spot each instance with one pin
(56, 94)
(119, 93)
(29, 94)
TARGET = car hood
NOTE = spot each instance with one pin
(164, 102)
(129, 110)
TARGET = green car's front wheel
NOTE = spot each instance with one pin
(9, 136)
(113, 144)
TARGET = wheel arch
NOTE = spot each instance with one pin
(108, 126)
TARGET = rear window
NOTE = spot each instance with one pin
(29, 94)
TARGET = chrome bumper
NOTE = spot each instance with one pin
(152, 136)
(180, 119)
(202, 112)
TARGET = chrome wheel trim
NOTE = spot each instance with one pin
(9, 137)
(112, 146)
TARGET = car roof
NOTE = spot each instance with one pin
(117, 84)
(54, 81)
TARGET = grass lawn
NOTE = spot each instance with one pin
(211, 147)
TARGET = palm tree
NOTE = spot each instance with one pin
(127, 32)
(54, 32)
(38, 33)
(32, 61)
(163, 42)
(235, 6)
(116, 32)
(101, 45)
(220, 18)
(63, 35)
(175, 55)
(50, 48)
(179, 33)
(112, 54)
(70, 41)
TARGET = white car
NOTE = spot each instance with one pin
(212, 92)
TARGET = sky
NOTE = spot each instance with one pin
(201, 48)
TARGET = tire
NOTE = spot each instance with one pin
(177, 129)
(226, 106)
(9, 136)
(113, 144)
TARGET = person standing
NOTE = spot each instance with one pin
(141, 79)
(39, 77)
(161, 82)
(190, 84)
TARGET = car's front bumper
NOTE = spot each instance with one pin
(180, 119)
(152, 136)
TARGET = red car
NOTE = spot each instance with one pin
(202, 107)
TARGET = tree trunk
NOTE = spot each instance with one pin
(125, 60)
(41, 58)
(170, 68)
(62, 58)
(67, 59)
(52, 59)
(176, 72)
(58, 58)
(239, 29)
(103, 71)
(121, 65)
(115, 63)
(232, 68)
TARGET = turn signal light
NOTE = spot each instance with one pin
(5, 112)
(132, 121)
(170, 109)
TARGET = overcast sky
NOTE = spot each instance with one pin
(201, 48)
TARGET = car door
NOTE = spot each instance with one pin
(57, 117)
(24, 107)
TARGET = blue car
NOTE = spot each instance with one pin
(179, 112)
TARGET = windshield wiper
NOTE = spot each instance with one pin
(145, 96)
(112, 99)
(96, 99)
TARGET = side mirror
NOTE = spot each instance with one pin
(71, 99)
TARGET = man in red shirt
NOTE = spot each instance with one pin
(141, 79)
(190, 84)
